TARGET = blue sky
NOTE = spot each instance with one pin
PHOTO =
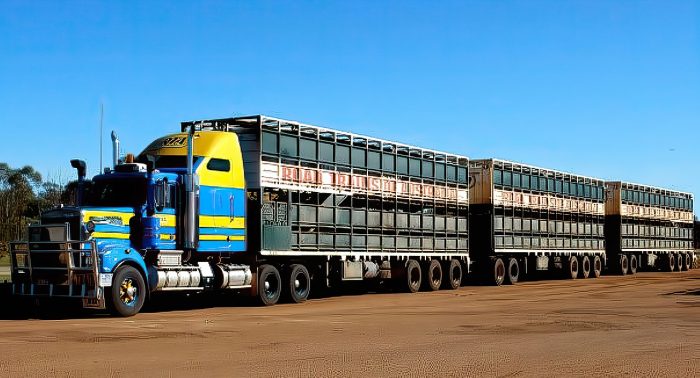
(601, 88)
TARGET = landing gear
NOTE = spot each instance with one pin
(127, 294)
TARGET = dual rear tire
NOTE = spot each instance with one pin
(295, 287)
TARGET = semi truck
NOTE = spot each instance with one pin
(253, 204)
(276, 208)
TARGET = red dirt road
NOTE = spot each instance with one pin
(646, 325)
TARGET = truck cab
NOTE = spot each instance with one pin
(168, 219)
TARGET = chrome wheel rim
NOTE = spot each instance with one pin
(128, 291)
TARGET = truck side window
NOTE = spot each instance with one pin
(221, 165)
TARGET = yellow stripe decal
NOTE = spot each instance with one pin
(89, 214)
(221, 221)
(221, 238)
(110, 235)
(217, 221)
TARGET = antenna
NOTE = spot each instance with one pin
(101, 118)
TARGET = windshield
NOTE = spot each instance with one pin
(122, 192)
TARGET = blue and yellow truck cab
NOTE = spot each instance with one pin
(169, 219)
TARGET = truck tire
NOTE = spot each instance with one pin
(585, 270)
(679, 262)
(299, 283)
(454, 275)
(688, 263)
(571, 269)
(670, 262)
(597, 267)
(434, 279)
(513, 272)
(127, 294)
(414, 276)
(498, 272)
(269, 285)
(633, 264)
(623, 265)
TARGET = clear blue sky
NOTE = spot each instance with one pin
(602, 88)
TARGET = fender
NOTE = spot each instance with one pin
(115, 256)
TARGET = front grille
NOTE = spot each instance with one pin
(54, 264)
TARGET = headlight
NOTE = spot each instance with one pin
(21, 260)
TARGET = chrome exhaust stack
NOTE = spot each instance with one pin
(115, 149)
(191, 218)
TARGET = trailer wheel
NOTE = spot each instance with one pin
(597, 267)
(679, 262)
(454, 275)
(299, 283)
(414, 276)
(499, 271)
(269, 285)
(585, 271)
(127, 293)
(434, 280)
(513, 271)
(688, 265)
(623, 265)
(633, 264)
(670, 262)
(572, 267)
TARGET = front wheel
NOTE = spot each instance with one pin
(128, 292)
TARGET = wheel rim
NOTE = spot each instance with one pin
(514, 270)
(128, 292)
(500, 271)
(586, 266)
(301, 285)
(271, 286)
(456, 274)
(414, 277)
(437, 276)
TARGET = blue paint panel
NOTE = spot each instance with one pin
(113, 253)
(221, 231)
(217, 201)
(167, 230)
(111, 228)
(221, 246)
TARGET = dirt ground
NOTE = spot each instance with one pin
(647, 325)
